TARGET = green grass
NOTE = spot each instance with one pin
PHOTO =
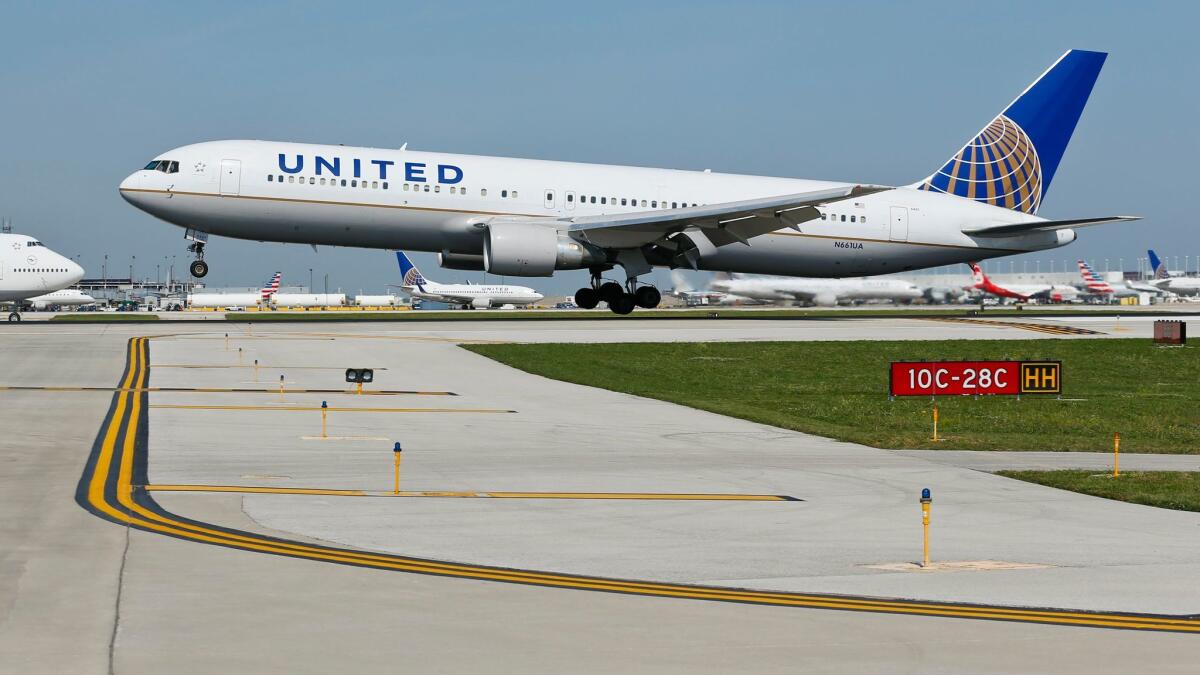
(104, 317)
(1166, 489)
(839, 389)
(680, 313)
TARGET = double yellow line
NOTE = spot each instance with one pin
(1036, 327)
(118, 464)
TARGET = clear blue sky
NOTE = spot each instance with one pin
(877, 92)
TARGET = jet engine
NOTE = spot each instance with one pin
(534, 250)
(461, 261)
(481, 303)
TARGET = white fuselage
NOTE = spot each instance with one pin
(817, 291)
(29, 269)
(67, 297)
(484, 295)
(1179, 285)
(403, 199)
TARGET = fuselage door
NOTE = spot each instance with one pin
(549, 199)
(231, 177)
(570, 204)
(899, 224)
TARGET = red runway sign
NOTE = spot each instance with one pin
(967, 378)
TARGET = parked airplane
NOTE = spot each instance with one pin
(1093, 284)
(67, 297)
(682, 289)
(1164, 281)
(234, 300)
(29, 269)
(823, 292)
(469, 295)
(1021, 292)
(523, 217)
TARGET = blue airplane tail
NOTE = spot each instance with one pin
(409, 274)
(1012, 161)
(1160, 270)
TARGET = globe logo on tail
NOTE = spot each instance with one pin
(413, 278)
(1000, 167)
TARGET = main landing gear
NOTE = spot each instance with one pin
(621, 300)
(14, 317)
(198, 268)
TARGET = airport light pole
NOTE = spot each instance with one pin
(310, 288)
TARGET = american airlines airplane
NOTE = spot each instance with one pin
(28, 269)
(522, 217)
(469, 295)
(822, 292)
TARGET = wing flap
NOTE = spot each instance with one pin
(1018, 229)
(725, 223)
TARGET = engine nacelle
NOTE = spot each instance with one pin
(532, 250)
(461, 261)
(481, 303)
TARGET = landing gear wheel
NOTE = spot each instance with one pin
(14, 318)
(647, 296)
(199, 269)
(587, 298)
(610, 291)
(622, 304)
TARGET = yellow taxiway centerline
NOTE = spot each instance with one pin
(111, 494)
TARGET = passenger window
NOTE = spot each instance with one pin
(622, 201)
(483, 192)
(291, 179)
(654, 204)
(514, 194)
(343, 182)
(603, 200)
(406, 187)
(862, 219)
(437, 188)
(385, 185)
(593, 200)
(453, 190)
(271, 178)
(504, 193)
(375, 184)
(843, 217)
(322, 181)
(853, 219)
(312, 181)
(570, 197)
(674, 205)
(822, 216)
(353, 183)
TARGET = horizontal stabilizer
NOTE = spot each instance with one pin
(1017, 229)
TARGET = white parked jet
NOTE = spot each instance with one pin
(1164, 281)
(29, 269)
(470, 295)
(823, 292)
(67, 297)
(522, 217)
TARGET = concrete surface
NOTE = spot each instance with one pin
(194, 608)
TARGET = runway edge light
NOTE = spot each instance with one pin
(926, 501)
(396, 450)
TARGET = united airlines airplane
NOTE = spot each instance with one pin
(466, 295)
(521, 217)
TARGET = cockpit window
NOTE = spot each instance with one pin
(34, 243)
(163, 165)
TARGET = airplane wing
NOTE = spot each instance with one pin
(1017, 229)
(723, 223)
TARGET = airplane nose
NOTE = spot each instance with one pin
(76, 271)
(132, 182)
